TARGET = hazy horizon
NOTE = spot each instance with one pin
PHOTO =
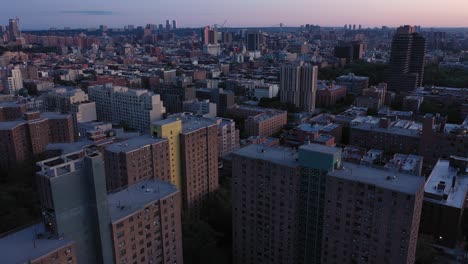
(35, 15)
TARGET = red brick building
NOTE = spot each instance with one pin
(22, 139)
(10, 111)
(199, 161)
(329, 94)
(260, 121)
(34, 245)
(371, 217)
(137, 159)
(146, 223)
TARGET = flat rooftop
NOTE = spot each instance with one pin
(134, 198)
(166, 121)
(133, 144)
(395, 181)
(283, 156)
(443, 172)
(68, 148)
(192, 123)
(54, 115)
(409, 163)
(24, 246)
(400, 127)
(320, 148)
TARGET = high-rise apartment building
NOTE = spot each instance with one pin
(73, 197)
(209, 35)
(13, 29)
(133, 107)
(278, 200)
(406, 65)
(168, 25)
(228, 136)
(255, 40)
(22, 139)
(307, 206)
(61, 99)
(84, 224)
(199, 161)
(72, 101)
(12, 82)
(135, 160)
(265, 188)
(299, 86)
(316, 161)
(146, 223)
(205, 35)
(174, 95)
(170, 129)
(371, 215)
(197, 140)
(351, 51)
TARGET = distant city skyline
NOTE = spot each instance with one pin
(243, 13)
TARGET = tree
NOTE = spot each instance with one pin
(209, 240)
(19, 203)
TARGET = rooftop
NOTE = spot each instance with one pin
(190, 122)
(439, 184)
(166, 121)
(65, 163)
(7, 125)
(133, 144)
(283, 156)
(54, 115)
(68, 148)
(405, 163)
(24, 246)
(371, 156)
(320, 148)
(395, 181)
(399, 127)
(351, 77)
(134, 198)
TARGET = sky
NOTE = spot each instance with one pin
(43, 14)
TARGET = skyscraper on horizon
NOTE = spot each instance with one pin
(298, 86)
(254, 40)
(406, 65)
(174, 24)
(13, 28)
(168, 25)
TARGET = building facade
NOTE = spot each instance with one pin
(146, 223)
(371, 217)
(132, 107)
(22, 139)
(298, 86)
(135, 160)
(406, 63)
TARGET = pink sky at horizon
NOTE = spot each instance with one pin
(239, 13)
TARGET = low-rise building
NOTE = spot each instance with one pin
(445, 200)
(260, 121)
